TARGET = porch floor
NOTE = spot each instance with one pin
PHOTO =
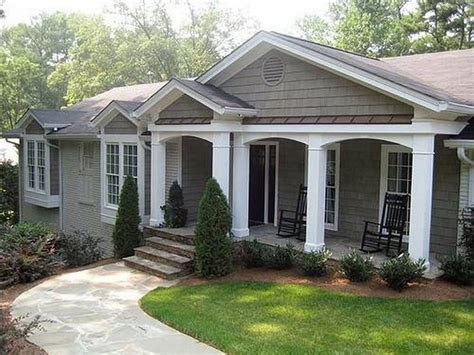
(339, 246)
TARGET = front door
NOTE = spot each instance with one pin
(262, 183)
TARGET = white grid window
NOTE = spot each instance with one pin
(113, 174)
(31, 164)
(130, 161)
(41, 164)
(396, 174)
(331, 186)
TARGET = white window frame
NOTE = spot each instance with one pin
(385, 150)
(35, 139)
(336, 147)
(109, 211)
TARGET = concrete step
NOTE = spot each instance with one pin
(149, 231)
(171, 246)
(164, 257)
(157, 269)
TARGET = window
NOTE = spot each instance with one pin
(332, 188)
(112, 174)
(396, 173)
(330, 216)
(31, 164)
(87, 156)
(36, 165)
(121, 161)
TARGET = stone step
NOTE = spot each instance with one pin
(164, 257)
(171, 246)
(157, 269)
(166, 234)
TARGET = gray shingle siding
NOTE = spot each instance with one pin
(120, 125)
(307, 90)
(82, 194)
(54, 170)
(186, 107)
(33, 213)
(34, 128)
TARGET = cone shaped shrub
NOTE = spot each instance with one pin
(126, 234)
(175, 214)
(213, 244)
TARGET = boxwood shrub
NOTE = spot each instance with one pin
(398, 272)
(355, 267)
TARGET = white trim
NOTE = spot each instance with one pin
(51, 201)
(267, 144)
(335, 226)
(333, 65)
(180, 161)
(106, 115)
(174, 86)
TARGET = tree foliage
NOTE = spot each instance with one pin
(60, 59)
(8, 193)
(213, 244)
(383, 28)
(126, 235)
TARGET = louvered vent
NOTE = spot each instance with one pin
(273, 71)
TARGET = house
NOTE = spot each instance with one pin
(275, 113)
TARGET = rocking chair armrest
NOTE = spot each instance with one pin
(372, 223)
(283, 211)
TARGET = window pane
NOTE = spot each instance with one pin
(31, 163)
(112, 173)
(331, 187)
(130, 160)
(41, 163)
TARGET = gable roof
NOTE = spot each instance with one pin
(208, 95)
(375, 73)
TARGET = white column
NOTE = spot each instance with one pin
(158, 180)
(315, 210)
(421, 197)
(221, 160)
(240, 188)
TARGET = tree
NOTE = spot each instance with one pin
(213, 244)
(8, 193)
(316, 29)
(439, 25)
(126, 235)
(175, 213)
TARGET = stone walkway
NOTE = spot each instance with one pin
(96, 311)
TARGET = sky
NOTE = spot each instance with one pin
(272, 15)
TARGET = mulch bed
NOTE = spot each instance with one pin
(8, 295)
(422, 289)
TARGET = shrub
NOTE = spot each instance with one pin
(8, 192)
(398, 272)
(458, 269)
(174, 213)
(253, 253)
(467, 237)
(28, 252)
(16, 329)
(126, 235)
(313, 263)
(280, 258)
(24, 234)
(213, 244)
(80, 248)
(355, 267)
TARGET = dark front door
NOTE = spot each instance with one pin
(257, 184)
(262, 184)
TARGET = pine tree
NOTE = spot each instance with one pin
(213, 244)
(126, 234)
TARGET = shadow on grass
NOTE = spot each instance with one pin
(262, 317)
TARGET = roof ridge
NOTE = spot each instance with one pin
(325, 45)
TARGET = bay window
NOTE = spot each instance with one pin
(36, 165)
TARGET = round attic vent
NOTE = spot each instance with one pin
(273, 70)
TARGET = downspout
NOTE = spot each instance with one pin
(20, 178)
(463, 156)
(60, 181)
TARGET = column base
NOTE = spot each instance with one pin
(240, 232)
(154, 222)
(308, 247)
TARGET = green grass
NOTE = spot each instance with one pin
(267, 318)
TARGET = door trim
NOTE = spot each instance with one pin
(267, 144)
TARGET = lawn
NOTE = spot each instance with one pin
(244, 317)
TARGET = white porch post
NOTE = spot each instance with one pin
(221, 160)
(421, 197)
(315, 210)
(158, 179)
(240, 188)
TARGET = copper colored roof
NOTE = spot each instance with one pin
(182, 121)
(360, 119)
